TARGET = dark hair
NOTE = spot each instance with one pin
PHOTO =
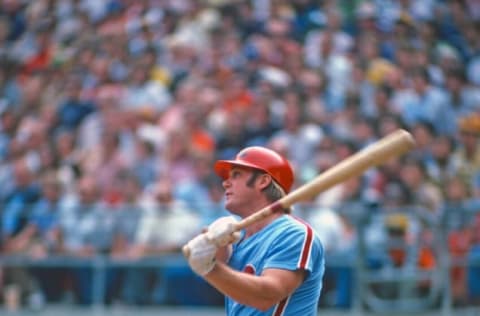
(426, 125)
(385, 88)
(458, 73)
(421, 72)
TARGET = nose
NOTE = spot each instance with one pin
(226, 183)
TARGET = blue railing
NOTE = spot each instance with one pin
(368, 283)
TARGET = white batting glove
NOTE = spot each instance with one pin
(222, 231)
(202, 254)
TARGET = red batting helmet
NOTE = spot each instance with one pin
(263, 159)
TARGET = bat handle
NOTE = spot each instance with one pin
(236, 227)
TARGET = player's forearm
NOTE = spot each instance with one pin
(246, 289)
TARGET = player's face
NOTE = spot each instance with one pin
(239, 196)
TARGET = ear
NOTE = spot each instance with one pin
(264, 180)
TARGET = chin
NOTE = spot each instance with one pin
(230, 208)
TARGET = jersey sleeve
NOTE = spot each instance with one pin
(296, 248)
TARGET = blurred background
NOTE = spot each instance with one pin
(112, 113)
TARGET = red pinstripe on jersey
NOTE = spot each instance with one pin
(304, 256)
(307, 245)
(280, 309)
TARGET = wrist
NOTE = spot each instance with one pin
(216, 271)
(210, 269)
(204, 269)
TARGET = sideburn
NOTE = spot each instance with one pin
(253, 178)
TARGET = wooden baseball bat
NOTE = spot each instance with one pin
(392, 145)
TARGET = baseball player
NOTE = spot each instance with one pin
(273, 267)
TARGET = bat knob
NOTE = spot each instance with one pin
(186, 251)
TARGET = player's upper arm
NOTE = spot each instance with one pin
(282, 283)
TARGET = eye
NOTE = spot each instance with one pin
(235, 174)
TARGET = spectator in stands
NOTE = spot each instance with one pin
(301, 136)
(314, 39)
(87, 228)
(8, 125)
(473, 270)
(381, 104)
(420, 190)
(145, 166)
(466, 156)
(144, 95)
(203, 193)
(175, 158)
(214, 201)
(340, 125)
(458, 215)
(127, 217)
(18, 201)
(73, 109)
(260, 126)
(107, 159)
(439, 165)
(91, 129)
(232, 135)
(47, 240)
(127, 213)
(18, 235)
(69, 158)
(165, 225)
(423, 133)
(463, 97)
(427, 103)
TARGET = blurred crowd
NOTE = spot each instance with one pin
(112, 113)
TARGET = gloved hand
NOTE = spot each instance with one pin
(202, 253)
(221, 232)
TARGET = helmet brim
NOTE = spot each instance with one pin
(222, 167)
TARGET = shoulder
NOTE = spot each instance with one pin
(293, 245)
(310, 237)
(294, 229)
(296, 223)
